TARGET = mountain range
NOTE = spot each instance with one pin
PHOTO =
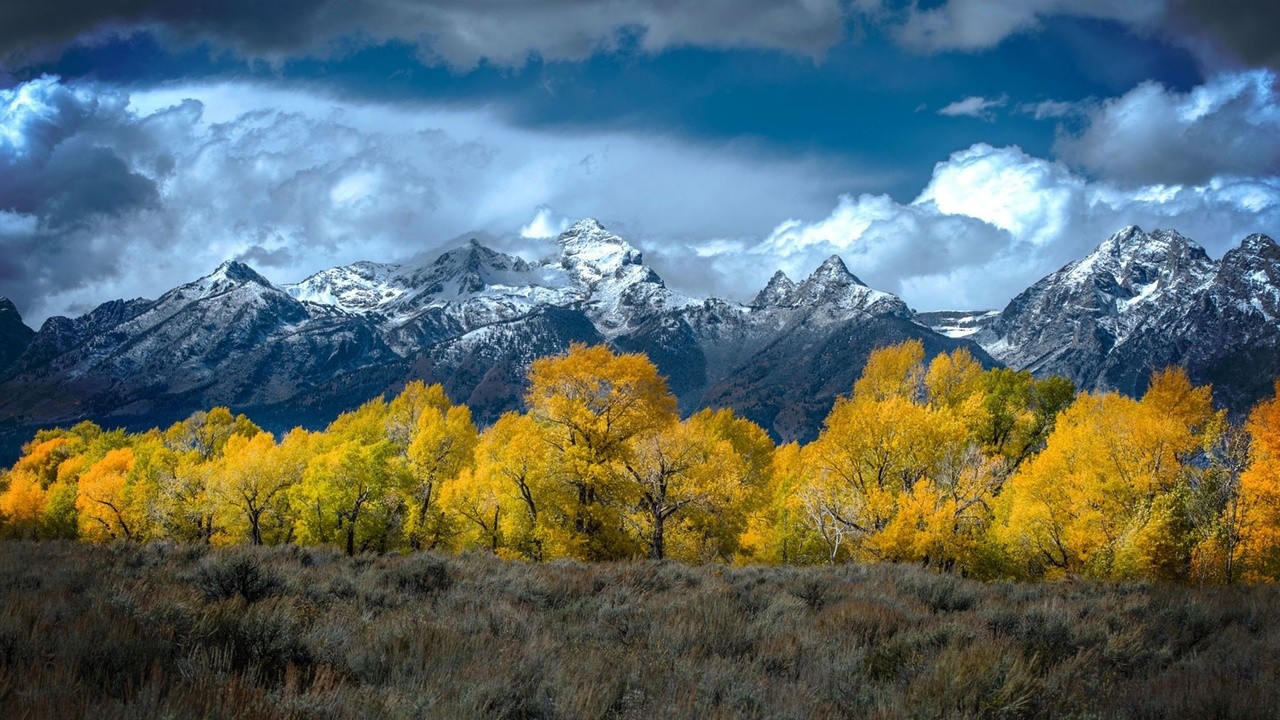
(474, 319)
(1138, 303)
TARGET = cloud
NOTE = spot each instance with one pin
(544, 224)
(107, 194)
(1051, 109)
(1151, 134)
(458, 32)
(992, 221)
(66, 164)
(974, 106)
(972, 25)
(1246, 27)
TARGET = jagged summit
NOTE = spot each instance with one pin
(15, 336)
(1134, 258)
(472, 318)
(1258, 243)
(587, 233)
(832, 284)
(1141, 301)
(239, 272)
(229, 276)
(593, 252)
(776, 293)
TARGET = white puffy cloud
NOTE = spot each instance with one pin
(544, 224)
(1228, 126)
(991, 221)
(974, 106)
(109, 194)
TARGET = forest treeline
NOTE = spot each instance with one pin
(990, 473)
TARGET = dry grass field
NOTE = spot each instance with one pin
(171, 631)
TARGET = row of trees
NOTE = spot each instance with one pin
(988, 472)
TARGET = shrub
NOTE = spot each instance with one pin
(236, 573)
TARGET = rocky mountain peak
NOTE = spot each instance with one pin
(1251, 273)
(229, 276)
(238, 272)
(7, 307)
(777, 293)
(832, 285)
(1142, 301)
(15, 336)
(606, 266)
(1258, 244)
(588, 241)
(833, 270)
(1132, 262)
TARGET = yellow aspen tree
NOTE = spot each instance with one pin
(103, 502)
(502, 499)
(22, 505)
(476, 499)
(1107, 497)
(781, 529)
(591, 403)
(250, 480)
(404, 410)
(681, 474)
(344, 495)
(870, 453)
(1260, 495)
(895, 371)
(441, 446)
(953, 379)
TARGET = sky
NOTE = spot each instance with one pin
(952, 151)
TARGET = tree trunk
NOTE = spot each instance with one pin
(658, 545)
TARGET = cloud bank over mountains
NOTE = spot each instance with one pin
(119, 187)
(109, 194)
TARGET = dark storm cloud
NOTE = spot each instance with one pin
(1247, 27)
(61, 177)
(456, 32)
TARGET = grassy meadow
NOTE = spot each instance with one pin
(180, 631)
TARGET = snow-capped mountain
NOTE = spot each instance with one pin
(230, 337)
(472, 319)
(1137, 303)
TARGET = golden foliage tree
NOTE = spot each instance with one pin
(1259, 490)
(104, 500)
(591, 403)
(1107, 497)
(501, 500)
(442, 445)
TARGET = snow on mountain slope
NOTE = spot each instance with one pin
(957, 324)
(1142, 301)
(472, 318)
